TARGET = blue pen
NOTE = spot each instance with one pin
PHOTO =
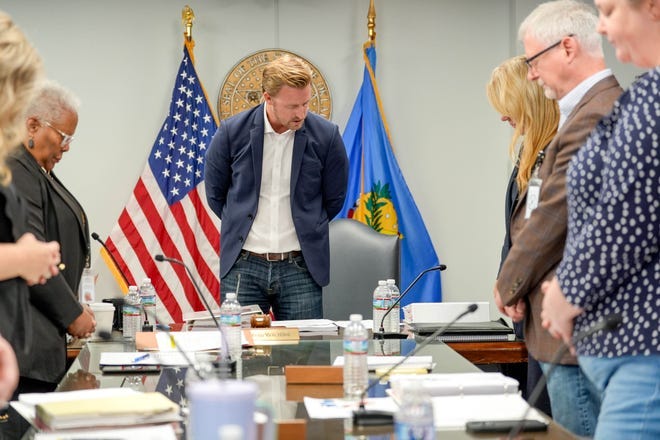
(141, 358)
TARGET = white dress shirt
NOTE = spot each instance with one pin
(273, 229)
(568, 102)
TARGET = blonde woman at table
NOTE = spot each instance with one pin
(535, 119)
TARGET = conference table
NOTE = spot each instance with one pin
(267, 366)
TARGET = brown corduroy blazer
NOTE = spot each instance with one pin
(538, 242)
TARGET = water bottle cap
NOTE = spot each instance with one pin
(390, 281)
(382, 283)
(231, 295)
(355, 317)
(146, 280)
(132, 288)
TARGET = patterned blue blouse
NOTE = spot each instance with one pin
(611, 260)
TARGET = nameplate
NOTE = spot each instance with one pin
(271, 335)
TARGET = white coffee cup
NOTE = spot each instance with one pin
(103, 313)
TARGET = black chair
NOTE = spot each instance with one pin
(359, 257)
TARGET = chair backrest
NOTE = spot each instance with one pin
(359, 257)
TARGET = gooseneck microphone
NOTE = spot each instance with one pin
(96, 237)
(364, 417)
(608, 323)
(107, 336)
(226, 356)
(396, 335)
(161, 258)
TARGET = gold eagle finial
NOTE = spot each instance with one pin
(371, 21)
(187, 18)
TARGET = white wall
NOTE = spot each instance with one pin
(434, 59)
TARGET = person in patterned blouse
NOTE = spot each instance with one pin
(611, 262)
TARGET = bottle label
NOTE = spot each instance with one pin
(130, 311)
(356, 346)
(381, 303)
(148, 300)
(86, 288)
(230, 320)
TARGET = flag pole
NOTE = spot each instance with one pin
(187, 18)
(371, 32)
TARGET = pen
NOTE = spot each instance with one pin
(141, 357)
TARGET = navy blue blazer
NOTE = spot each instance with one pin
(319, 175)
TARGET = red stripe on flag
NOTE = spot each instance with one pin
(208, 226)
(168, 247)
(188, 234)
(136, 243)
(213, 236)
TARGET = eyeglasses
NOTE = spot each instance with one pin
(531, 59)
(66, 138)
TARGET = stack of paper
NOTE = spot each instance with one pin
(455, 384)
(375, 362)
(310, 327)
(453, 412)
(137, 409)
(158, 432)
(96, 407)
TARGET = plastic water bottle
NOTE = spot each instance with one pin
(148, 298)
(86, 291)
(132, 313)
(356, 343)
(382, 301)
(395, 314)
(414, 420)
(230, 320)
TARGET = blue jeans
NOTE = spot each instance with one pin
(574, 400)
(286, 286)
(631, 395)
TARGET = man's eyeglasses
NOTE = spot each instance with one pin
(66, 138)
(531, 59)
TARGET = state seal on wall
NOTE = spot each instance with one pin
(241, 88)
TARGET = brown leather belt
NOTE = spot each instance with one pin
(274, 256)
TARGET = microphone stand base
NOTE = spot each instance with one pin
(389, 335)
(226, 368)
(362, 417)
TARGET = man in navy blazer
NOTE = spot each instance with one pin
(276, 175)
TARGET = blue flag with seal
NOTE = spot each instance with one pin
(377, 193)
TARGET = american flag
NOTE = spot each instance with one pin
(167, 212)
(171, 383)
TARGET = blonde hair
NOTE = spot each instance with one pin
(283, 71)
(536, 117)
(20, 69)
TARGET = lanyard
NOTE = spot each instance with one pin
(534, 186)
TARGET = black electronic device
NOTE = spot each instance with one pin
(504, 426)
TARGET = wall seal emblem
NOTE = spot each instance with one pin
(241, 88)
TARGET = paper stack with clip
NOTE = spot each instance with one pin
(137, 409)
(87, 410)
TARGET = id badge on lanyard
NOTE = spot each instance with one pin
(534, 186)
(533, 192)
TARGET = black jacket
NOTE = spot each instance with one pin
(54, 304)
